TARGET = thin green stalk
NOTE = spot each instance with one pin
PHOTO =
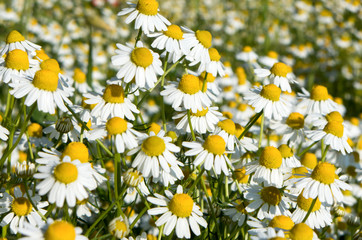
(325, 153)
(196, 181)
(307, 149)
(250, 124)
(138, 217)
(261, 130)
(191, 128)
(310, 210)
(204, 82)
(163, 114)
(161, 232)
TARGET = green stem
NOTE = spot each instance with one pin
(196, 181)
(307, 149)
(310, 210)
(163, 114)
(138, 36)
(250, 124)
(261, 130)
(138, 217)
(191, 128)
(161, 232)
(324, 153)
(204, 82)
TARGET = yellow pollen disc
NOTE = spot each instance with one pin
(79, 76)
(153, 146)
(324, 172)
(41, 54)
(50, 64)
(142, 57)
(338, 100)
(214, 54)
(346, 193)
(181, 205)
(270, 157)
(154, 127)
(319, 93)
(174, 31)
(46, 80)
(147, 7)
(228, 126)
(21, 206)
(299, 170)
(286, 151)
(189, 84)
(309, 160)
(354, 121)
(239, 175)
(295, 120)
(305, 203)
(35, 130)
(247, 49)
(280, 69)
(17, 59)
(214, 144)
(282, 222)
(238, 130)
(272, 54)
(301, 231)
(76, 150)
(277, 238)
(60, 230)
(200, 113)
(151, 237)
(114, 94)
(88, 106)
(14, 36)
(271, 92)
(227, 64)
(109, 166)
(335, 128)
(204, 38)
(334, 116)
(226, 114)
(242, 107)
(66, 172)
(22, 156)
(271, 195)
(116, 126)
(209, 77)
(241, 75)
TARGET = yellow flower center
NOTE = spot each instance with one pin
(153, 146)
(60, 230)
(239, 175)
(242, 107)
(46, 80)
(14, 36)
(271, 195)
(151, 237)
(335, 128)
(319, 93)
(226, 114)
(76, 150)
(299, 170)
(209, 77)
(227, 125)
(181, 205)
(21, 206)
(147, 7)
(214, 144)
(271, 92)
(354, 121)
(334, 116)
(277, 238)
(66, 172)
(41, 55)
(272, 54)
(154, 127)
(142, 57)
(35, 130)
(214, 54)
(79, 76)
(17, 59)
(174, 31)
(109, 166)
(247, 49)
(280, 69)
(305, 203)
(200, 113)
(324, 172)
(309, 160)
(114, 94)
(295, 120)
(282, 222)
(286, 151)
(238, 130)
(189, 84)
(204, 38)
(22, 156)
(116, 126)
(301, 231)
(50, 64)
(270, 157)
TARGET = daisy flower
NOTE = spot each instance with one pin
(80, 81)
(211, 153)
(124, 135)
(64, 180)
(215, 66)
(226, 129)
(187, 94)
(270, 59)
(35, 137)
(270, 233)
(112, 103)
(280, 75)
(43, 89)
(243, 83)
(154, 154)
(318, 101)
(268, 98)
(18, 210)
(280, 222)
(200, 42)
(237, 213)
(178, 211)
(15, 40)
(51, 230)
(4, 133)
(302, 231)
(119, 227)
(324, 183)
(247, 55)
(139, 63)
(289, 159)
(239, 179)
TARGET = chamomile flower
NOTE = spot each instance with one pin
(51, 230)
(187, 94)
(324, 183)
(211, 153)
(15, 40)
(268, 98)
(270, 233)
(318, 101)
(179, 212)
(112, 103)
(247, 55)
(269, 60)
(139, 63)
(35, 137)
(226, 129)
(43, 89)
(289, 159)
(80, 81)
(280, 74)
(119, 227)
(280, 222)
(4, 133)
(237, 213)
(215, 66)
(200, 42)
(239, 179)
(302, 231)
